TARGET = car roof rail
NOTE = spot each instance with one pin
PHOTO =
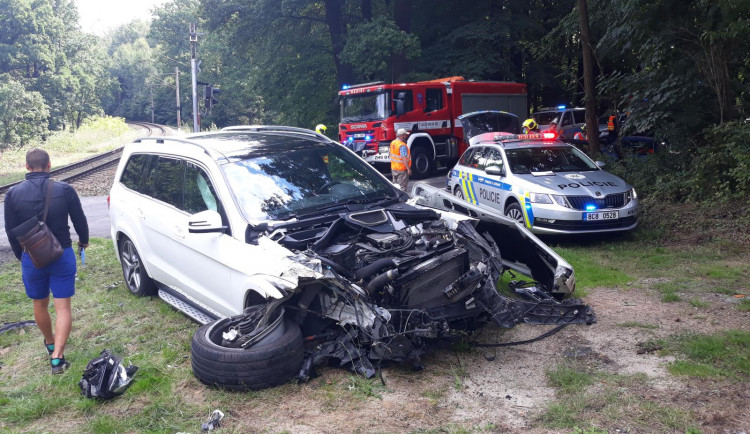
(274, 129)
(211, 152)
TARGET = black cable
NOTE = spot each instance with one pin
(527, 341)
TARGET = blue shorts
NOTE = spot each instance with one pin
(59, 276)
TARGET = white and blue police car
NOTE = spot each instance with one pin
(548, 186)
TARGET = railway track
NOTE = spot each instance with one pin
(90, 166)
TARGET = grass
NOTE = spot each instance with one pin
(722, 355)
(592, 401)
(95, 136)
(744, 305)
(636, 324)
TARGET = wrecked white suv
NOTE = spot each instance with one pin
(293, 251)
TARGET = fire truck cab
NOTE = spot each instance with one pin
(371, 113)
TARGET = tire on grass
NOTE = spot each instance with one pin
(272, 361)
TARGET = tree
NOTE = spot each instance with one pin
(23, 114)
(588, 78)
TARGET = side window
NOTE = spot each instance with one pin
(133, 174)
(579, 117)
(464, 161)
(494, 158)
(169, 180)
(407, 96)
(199, 193)
(477, 159)
(434, 100)
(566, 119)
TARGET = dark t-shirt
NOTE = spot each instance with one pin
(26, 200)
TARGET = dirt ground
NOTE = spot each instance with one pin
(505, 389)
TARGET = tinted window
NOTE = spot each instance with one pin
(199, 193)
(566, 120)
(434, 100)
(169, 180)
(133, 174)
(544, 118)
(579, 116)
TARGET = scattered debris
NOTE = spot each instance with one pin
(213, 422)
(8, 326)
(647, 347)
(105, 377)
(575, 352)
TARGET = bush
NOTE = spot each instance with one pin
(715, 166)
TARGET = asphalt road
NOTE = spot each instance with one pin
(95, 208)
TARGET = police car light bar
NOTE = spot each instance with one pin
(535, 136)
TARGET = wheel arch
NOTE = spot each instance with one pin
(421, 139)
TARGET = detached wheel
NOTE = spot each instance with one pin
(514, 212)
(133, 271)
(273, 360)
(422, 163)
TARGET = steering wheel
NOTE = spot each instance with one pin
(327, 186)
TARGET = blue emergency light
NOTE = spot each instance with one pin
(368, 138)
(345, 87)
(561, 107)
(590, 207)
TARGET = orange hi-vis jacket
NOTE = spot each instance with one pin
(400, 156)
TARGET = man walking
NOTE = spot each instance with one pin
(400, 159)
(24, 201)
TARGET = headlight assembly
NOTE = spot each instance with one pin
(540, 198)
(560, 200)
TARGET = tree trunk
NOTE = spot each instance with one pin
(366, 10)
(402, 17)
(588, 80)
(335, 22)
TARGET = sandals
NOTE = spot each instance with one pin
(59, 365)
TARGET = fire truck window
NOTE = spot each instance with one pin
(407, 97)
(434, 100)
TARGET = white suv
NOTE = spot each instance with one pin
(269, 234)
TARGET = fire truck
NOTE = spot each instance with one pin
(371, 113)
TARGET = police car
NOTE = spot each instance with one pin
(544, 184)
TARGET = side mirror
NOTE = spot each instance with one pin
(600, 163)
(494, 170)
(205, 222)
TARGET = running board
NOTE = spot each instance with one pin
(184, 304)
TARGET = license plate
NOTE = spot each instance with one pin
(382, 157)
(603, 215)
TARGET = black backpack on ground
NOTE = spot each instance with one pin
(105, 377)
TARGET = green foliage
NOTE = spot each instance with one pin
(371, 46)
(23, 114)
(569, 379)
(722, 355)
(722, 165)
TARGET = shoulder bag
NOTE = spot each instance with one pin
(36, 239)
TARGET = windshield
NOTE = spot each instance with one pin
(300, 181)
(549, 159)
(544, 118)
(364, 107)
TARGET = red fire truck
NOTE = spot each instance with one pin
(371, 113)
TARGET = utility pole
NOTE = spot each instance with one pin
(592, 126)
(152, 102)
(194, 70)
(177, 93)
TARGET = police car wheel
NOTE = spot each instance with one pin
(133, 271)
(458, 193)
(513, 212)
(272, 361)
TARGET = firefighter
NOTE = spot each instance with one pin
(530, 126)
(581, 135)
(320, 129)
(400, 159)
